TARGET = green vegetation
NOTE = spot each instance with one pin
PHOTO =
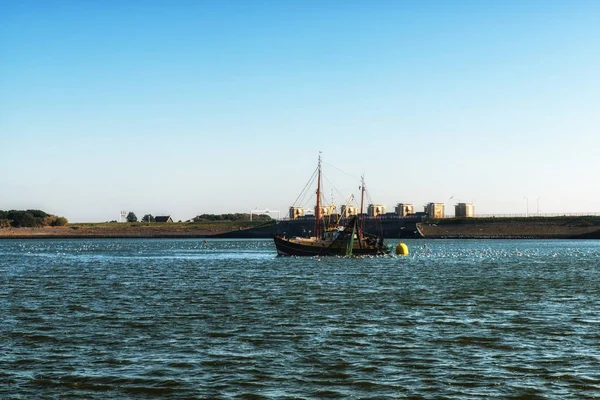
(131, 217)
(202, 223)
(61, 221)
(29, 219)
(148, 218)
(211, 226)
(231, 217)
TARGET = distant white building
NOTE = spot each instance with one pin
(325, 210)
(296, 212)
(349, 211)
(464, 210)
(403, 209)
(435, 210)
(375, 209)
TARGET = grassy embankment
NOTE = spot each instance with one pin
(134, 229)
(583, 220)
(460, 228)
(512, 227)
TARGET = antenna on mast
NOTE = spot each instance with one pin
(318, 208)
(362, 201)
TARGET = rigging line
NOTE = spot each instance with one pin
(334, 188)
(306, 202)
(310, 181)
(369, 199)
(378, 223)
(306, 193)
(347, 203)
(369, 196)
(342, 171)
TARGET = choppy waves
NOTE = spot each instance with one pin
(226, 319)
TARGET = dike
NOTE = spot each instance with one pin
(583, 227)
(392, 228)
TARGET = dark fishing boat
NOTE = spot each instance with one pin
(336, 239)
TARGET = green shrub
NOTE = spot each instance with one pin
(60, 221)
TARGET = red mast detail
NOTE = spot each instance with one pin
(318, 210)
(361, 225)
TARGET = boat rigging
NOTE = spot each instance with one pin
(337, 238)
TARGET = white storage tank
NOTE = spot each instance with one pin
(375, 209)
(464, 210)
(296, 212)
(435, 210)
(349, 211)
(404, 209)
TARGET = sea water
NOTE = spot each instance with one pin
(197, 319)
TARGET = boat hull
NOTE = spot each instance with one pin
(286, 247)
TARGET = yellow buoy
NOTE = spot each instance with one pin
(402, 249)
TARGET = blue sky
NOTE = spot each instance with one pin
(190, 107)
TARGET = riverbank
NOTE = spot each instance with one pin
(584, 227)
(130, 230)
(449, 228)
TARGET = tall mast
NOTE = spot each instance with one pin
(362, 200)
(318, 210)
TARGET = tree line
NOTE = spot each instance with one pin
(231, 217)
(131, 217)
(29, 219)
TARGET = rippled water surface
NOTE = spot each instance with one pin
(128, 319)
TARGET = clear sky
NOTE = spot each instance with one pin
(190, 107)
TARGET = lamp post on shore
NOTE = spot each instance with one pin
(538, 206)
(526, 206)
